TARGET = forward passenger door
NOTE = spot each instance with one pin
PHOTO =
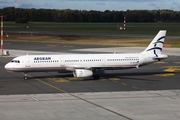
(27, 61)
(62, 62)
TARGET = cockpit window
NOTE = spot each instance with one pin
(12, 61)
(15, 61)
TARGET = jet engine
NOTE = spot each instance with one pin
(82, 73)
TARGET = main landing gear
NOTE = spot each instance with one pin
(96, 77)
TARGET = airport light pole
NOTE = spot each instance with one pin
(2, 34)
(124, 23)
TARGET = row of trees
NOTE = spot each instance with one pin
(55, 15)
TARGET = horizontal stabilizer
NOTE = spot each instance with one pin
(160, 57)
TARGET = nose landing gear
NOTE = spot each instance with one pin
(25, 76)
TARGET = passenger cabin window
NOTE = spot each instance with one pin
(42, 61)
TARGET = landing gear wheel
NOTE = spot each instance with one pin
(96, 77)
(25, 77)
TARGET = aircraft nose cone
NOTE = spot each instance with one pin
(7, 66)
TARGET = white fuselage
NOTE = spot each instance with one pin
(30, 63)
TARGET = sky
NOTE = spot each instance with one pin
(99, 5)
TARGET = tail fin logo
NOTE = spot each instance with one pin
(157, 46)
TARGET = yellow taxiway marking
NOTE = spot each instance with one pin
(74, 79)
(164, 74)
(52, 45)
(69, 79)
(114, 79)
(58, 80)
(172, 69)
(160, 62)
(124, 84)
(134, 87)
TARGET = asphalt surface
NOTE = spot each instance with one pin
(159, 76)
(148, 93)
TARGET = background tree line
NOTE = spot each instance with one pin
(67, 15)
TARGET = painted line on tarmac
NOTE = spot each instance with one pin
(160, 62)
(134, 87)
(124, 84)
(58, 80)
(51, 45)
(85, 100)
(165, 96)
(69, 79)
(74, 79)
(35, 99)
(114, 79)
(164, 74)
(172, 69)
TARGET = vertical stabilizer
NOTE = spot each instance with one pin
(155, 47)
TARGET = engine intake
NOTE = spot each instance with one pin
(82, 73)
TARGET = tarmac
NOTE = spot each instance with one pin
(108, 105)
(137, 105)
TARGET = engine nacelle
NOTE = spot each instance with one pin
(82, 73)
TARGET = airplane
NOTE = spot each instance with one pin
(87, 65)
